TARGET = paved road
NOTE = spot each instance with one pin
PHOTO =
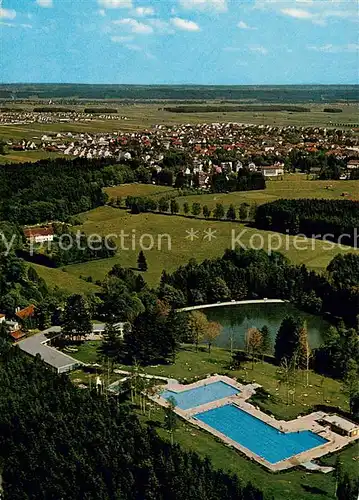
(146, 375)
(232, 303)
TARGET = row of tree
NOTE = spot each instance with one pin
(139, 204)
(56, 189)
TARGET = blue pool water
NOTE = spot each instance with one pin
(257, 436)
(201, 395)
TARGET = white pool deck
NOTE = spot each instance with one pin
(306, 423)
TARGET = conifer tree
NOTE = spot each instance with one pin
(142, 262)
(231, 213)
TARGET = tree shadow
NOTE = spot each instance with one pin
(313, 489)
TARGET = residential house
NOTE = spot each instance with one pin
(353, 164)
(25, 316)
(272, 171)
(39, 234)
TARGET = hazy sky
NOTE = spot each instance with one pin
(179, 41)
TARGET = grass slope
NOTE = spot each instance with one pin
(135, 189)
(107, 220)
(64, 280)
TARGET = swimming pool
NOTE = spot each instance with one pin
(190, 398)
(258, 436)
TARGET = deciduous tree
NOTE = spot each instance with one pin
(213, 330)
(77, 318)
(198, 324)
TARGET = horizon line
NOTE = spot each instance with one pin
(190, 84)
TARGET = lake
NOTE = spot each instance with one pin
(236, 320)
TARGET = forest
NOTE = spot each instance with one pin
(260, 93)
(19, 284)
(50, 189)
(69, 247)
(333, 220)
(250, 274)
(55, 190)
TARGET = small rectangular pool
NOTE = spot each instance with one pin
(190, 398)
(258, 436)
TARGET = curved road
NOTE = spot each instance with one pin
(232, 303)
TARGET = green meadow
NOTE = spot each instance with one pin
(172, 245)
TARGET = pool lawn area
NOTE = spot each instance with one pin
(220, 406)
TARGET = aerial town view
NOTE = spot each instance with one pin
(179, 250)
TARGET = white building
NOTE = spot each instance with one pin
(40, 234)
(272, 171)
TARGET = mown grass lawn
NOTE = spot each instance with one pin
(191, 365)
(107, 220)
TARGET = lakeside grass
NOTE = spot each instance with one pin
(189, 364)
(107, 220)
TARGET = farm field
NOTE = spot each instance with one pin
(144, 116)
(107, 220)
(135, 189)
(64, 280)
(292, 186)
(190, 364)
(26, 156)
(288, 186)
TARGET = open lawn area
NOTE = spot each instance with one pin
(292, 186)
(293, 485)
(26, 156)
(176, 248)
(64, 280)
(136, 189)
(191, 365)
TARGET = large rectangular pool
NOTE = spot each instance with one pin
(190, 398)
(258, 436)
